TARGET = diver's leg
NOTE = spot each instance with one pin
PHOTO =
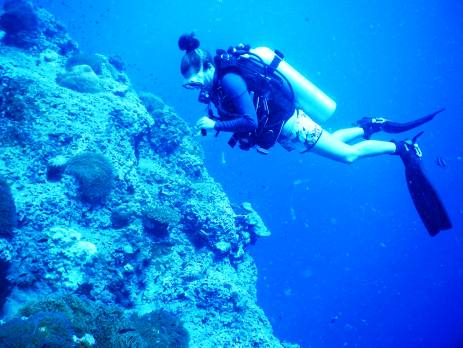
(348, 134)
(331, 147)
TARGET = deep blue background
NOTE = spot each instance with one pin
(349, 263)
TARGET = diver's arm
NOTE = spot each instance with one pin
(236, 90)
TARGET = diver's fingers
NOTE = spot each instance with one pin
(200, 123)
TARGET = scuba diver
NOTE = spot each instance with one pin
(262, 100)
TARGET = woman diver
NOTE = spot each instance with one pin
(258, 98)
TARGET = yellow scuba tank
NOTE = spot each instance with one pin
(309, 97)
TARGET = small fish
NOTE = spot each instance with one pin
(293, 213)
(441, 162)
(288, 292)
(123, 331)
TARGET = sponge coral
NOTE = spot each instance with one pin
(80, 78)
(7, 210)
(94, 173)
(156, 220)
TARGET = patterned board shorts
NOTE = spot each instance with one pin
(299, 133)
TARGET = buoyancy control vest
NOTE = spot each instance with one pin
(272, 95)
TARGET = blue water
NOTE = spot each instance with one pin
(349, 263)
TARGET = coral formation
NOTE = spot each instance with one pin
(107, 325)
(31, 28)
(117, 62)
(161, 329)
(182, 269)
(43, 329)
(120, 218)
(19, 16)
(80, 78)
(81, 313)
(251, 221)
(14, 102)
(55, 168)
(94, 174)
(156, 220)
(95, 61)
(168, 131)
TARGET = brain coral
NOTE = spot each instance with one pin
(80, 78)
(94, 172)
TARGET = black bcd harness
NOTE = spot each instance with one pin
(272, 95)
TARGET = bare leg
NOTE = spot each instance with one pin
(332, 147)
(348, 134)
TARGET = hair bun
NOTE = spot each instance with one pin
(188, 42)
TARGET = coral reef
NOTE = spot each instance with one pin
(80, 78)
(94, 173)
(94, 61)
(86, 317)
(168, 130)
(117, 214)
(108, 326)
(43, 329)
(34, 29)
(14, 103)
(161, 329)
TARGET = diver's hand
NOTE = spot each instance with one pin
(205, 123)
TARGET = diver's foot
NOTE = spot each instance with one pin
(371, 125)
(408, 149)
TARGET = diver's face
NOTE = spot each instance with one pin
(199, 79)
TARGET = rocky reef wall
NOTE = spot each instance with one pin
(117, 219)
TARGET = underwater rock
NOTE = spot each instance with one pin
(74, 254)
(95, 61)
(34, 29)
(19, 16)
(14, 101)
(120, 218)
(117, 62)
(80, 78)
(253, 221)
(152, 103)
(195, 267)
(50, 56)
(55, 168)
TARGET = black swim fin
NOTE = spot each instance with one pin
(372, 125)
(427, 202)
